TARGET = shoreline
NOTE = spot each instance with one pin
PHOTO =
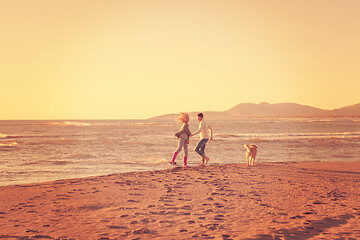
(288, 200)
(192, 165)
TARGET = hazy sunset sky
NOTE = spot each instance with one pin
(115, 59)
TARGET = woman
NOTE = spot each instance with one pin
(183, 136)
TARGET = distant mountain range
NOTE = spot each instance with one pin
(267, 110)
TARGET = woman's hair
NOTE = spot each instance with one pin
(182, 117)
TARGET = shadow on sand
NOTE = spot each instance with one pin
(307, 231)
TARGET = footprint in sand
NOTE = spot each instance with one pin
(32, 211)
(219, 205)
(116, 227)
(186, 213)
(166, 200)
(143, 231)
(168, 189)
(166, 221)
(309, 212)
(104, 238)
(145, 220)
(136, 194)
(186, 207)
(219, 217)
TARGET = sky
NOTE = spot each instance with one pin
(134, 59)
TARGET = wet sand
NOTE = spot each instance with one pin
(305, 200)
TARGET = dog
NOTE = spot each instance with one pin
(250, 154)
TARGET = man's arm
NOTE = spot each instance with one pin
(199, 130)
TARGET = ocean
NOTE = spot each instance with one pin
(38, 151)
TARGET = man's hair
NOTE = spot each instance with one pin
(200, 115)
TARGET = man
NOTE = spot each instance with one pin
(204, 130)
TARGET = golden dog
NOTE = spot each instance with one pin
(250, 154)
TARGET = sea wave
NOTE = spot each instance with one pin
(81, 156)
(51, 141)
(70, 123)
(48, 162)
(145, 161)
(8, 144)
(257, 140)
(288, 136)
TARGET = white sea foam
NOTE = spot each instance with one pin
(70, 123)
(8, 144)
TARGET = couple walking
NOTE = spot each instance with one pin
(184, 136)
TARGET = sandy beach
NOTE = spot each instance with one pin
(303, 200)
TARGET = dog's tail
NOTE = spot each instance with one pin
(247, 147)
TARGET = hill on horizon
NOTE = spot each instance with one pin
(264, 110)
